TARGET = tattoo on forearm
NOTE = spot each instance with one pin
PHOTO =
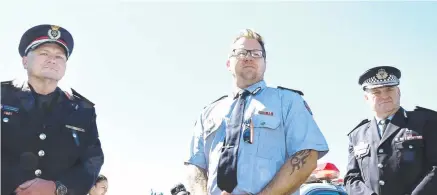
(298, 160)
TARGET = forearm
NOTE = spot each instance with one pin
(197, 180)
(428, 185)
(80, 178)
(292, 174)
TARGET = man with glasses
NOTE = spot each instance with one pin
(395, 151)
(257, 139)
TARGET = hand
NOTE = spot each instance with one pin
(36, 186)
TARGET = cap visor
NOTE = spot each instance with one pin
(36, 44)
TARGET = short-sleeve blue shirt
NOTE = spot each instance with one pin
(282, 126)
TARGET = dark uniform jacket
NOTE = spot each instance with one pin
(403, 161)
(62, 146)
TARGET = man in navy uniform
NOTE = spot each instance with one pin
(395, 151)
(49, 138)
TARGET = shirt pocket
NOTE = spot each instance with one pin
(268, 137)
(362, 154)
(211, 126)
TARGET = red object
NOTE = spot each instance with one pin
(326, 171)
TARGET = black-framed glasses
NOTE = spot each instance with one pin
(243, 53)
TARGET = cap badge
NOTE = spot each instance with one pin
(54, 32)
(382, 74)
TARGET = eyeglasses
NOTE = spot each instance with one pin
(242, 53)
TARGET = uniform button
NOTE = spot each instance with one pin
(380, 165)
(410, 146)
(381, 182)
(5, 120)
(41, 153)
(38, 172)
(380, 151)
(42, 136)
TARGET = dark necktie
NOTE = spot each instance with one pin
(227, 167)
(383, 125)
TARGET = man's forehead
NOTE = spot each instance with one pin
(246, 43)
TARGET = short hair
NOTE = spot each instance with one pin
(101, 178)
(251, 34)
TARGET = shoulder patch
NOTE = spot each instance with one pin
(293, 90)
(216, 100)
(76, 95)
(359, 125)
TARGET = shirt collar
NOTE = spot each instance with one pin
(254, 89)
(391, 116)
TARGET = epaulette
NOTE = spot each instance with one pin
(6, 83)
(359, 125)
(418, 108)
(293, 90)
(76, 95)
(216, 100)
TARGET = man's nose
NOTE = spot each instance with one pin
(51, 59)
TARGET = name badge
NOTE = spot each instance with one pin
(75, 128)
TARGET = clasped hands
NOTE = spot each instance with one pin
(36, 186)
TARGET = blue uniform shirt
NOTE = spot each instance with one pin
(282, 126)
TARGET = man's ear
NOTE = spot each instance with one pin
(227, 63)
(24, 60)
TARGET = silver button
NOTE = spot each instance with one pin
(381, 182)
(5, 120)
(41, 153)
(410, 146)
(42, 136)
(380, 151)
(38, 172)
(380, 165)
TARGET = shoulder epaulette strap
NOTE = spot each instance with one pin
(418, 108)
(293, 90)
(77, 95)
(6, 83)
(359, 125)
(217, 100)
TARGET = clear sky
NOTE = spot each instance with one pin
(151, 67)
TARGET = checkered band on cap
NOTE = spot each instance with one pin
(374, 82)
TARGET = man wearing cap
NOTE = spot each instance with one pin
(395, 151)
(256, 140)
(49, 138)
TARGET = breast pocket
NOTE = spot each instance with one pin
(211, 126)
(362, 154)
(76, 130)
(409, 151)
(268, 137)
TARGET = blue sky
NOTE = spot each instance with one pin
(151, 67)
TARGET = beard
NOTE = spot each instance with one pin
(248, 75)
